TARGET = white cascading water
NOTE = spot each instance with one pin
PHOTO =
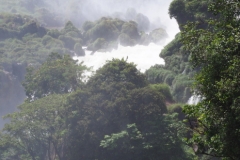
(143, 56)
(194, 99)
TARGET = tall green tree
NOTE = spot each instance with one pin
(215, 51)
(106, 105)
(118, 95)
(190, 10)
(162, 140)
(42, 126)
(38, 131)
(59, 74)
(72, 125)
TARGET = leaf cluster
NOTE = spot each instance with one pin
(216, 52)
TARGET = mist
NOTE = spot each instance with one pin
(79, 11)
(58, 12)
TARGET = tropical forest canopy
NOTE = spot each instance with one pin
(31, 30)
(121, 113)
(117, 114)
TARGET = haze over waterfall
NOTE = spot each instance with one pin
(144, 22)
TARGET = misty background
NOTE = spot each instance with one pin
(79, 11)
(55, 13)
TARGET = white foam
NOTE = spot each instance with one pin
(143, 56)
(194, 99)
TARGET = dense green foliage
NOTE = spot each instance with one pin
(216, 52)
(121, 113)
(59, 74)
(105, 34)
(27, 38)
(36, 8)
(189, 11)
(117, 114)
(25, 41)
(151, 144)
(37, 130)
(180, 84)
(177, 72)
(119, 95)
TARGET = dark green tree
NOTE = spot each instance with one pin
(59, 74)
(162, 140)
(42, 126)
(72, 125)
(190, 10)
(105, 108)
(216, 52)
(118, 95)
(38, 131)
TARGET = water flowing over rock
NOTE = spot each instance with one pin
(194, 99)
(32, 30)
(143, 56)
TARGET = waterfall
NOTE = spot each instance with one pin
(143, 56)
(194, 99)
